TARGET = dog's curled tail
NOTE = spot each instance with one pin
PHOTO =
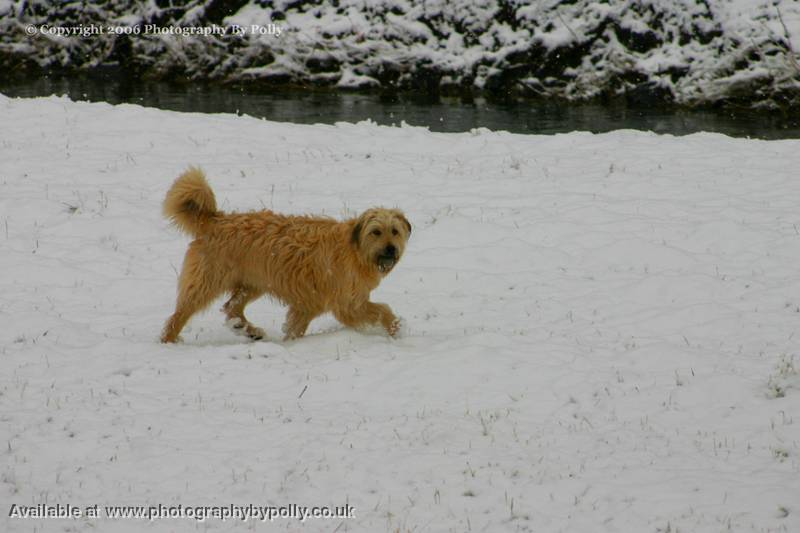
(190, 202)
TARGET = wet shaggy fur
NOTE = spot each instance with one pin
(312, 264)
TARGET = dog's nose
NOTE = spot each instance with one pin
(390, 250)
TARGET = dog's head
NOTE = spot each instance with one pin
(380, 236)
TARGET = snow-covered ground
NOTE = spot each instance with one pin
(601, 330)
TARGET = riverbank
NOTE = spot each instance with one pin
(440, 114)
(734, 53)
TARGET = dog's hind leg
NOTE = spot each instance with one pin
(234, 311)
(197, 288)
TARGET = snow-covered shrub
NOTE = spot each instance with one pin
(738, 52)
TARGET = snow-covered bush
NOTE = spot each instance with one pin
(740, 52)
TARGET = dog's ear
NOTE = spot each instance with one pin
(399, 214)
(362, 220)
(356, 235)
(407, 223)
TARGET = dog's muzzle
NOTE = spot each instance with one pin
(387, 258)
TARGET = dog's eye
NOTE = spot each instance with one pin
(376, 232)
(394, 231)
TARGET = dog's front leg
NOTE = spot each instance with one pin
(386, 317)
(369, 313)
(297, 321)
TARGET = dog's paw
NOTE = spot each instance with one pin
(236, 324)
(245, 328)
(255, 333)
(395, 327)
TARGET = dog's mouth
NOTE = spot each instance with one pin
(386, 262)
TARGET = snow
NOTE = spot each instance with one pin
(694, 52)
(600, 330)
(351, 79)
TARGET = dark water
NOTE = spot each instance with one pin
(447, 114)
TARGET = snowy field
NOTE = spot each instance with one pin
(601, 332)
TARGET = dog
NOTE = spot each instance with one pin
(312, 264)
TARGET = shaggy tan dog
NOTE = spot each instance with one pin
(312, 264)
